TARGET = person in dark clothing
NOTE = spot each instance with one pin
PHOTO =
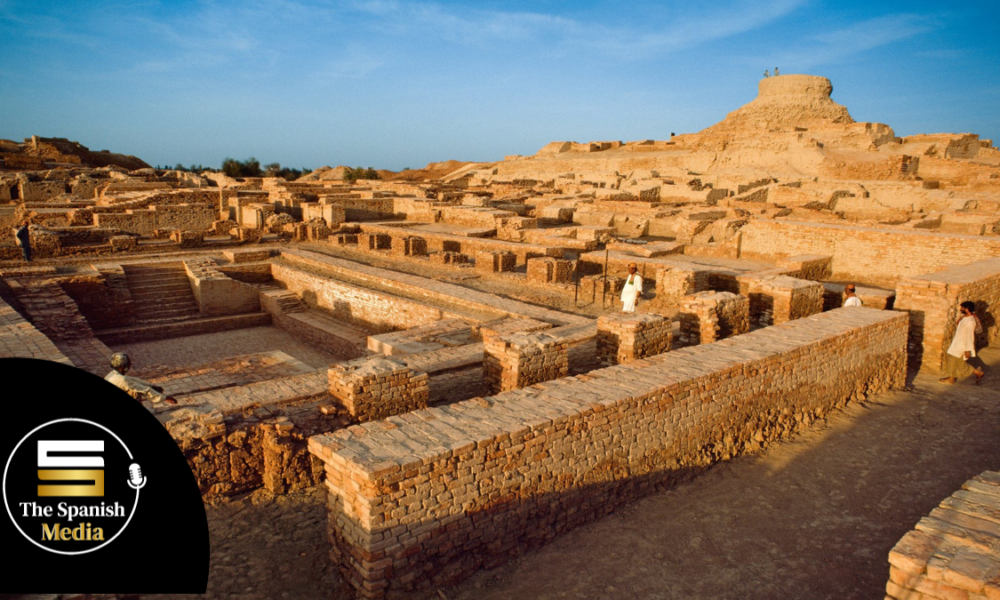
(23, 240)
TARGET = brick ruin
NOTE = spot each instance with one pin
(447, 355)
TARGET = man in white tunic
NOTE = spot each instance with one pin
(850, 299)
(133, 386)
(960, 360)
(632, 289)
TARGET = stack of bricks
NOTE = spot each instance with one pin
(512, 229)
(409, 246)
(246, 256)
(954, 553)
(447, 258)
(317, 230)
(495, 262)
(343, 239)
(122, 243)
(777, 299)
(186, 239)
(518, 360)
(623, 337)
(706, 317)
(374, 241)
(377, 387)
(674, 283)
(595, 288)
(550, 270)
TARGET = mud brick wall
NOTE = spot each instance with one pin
(377, 311)
(374, 241)
(377, 387)
(594, 288)
(446, 258)
(454, 374)
(626, 337)
(865, 254)
(288, 312)
(550, 270)
(51, 309)
(20, 339)
(444, 242)
(495, 262)
(707, 317)
(518, 360)
(777, 298)
(933, 300)
(454, 489)
(409, 246)
(674, 283)
(498, 327)
(812, 267)
(363, 209)
(332, 214)
(436, 291)
(256, 440)
(954, 552)
(217, 294)
(244, 256)
(105, 299)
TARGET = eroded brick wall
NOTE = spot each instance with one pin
(933, 300)
(866, 254)
(457, 488)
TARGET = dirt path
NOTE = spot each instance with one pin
(813, 518)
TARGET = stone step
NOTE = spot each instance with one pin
(165, 330)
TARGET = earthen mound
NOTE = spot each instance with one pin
(784, 103)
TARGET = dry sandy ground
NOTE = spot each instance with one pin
(811, 518)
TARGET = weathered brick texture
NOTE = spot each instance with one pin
(457, 488)
(933, 300)
(624, 337)
(495, 262)
(709, 316)
(777, 298)
(550, 270)
(377, 387)
(521, 359)
(953, 553)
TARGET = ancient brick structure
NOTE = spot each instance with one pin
(623, 337)
(374, 241)
(932, 301)
(954, 552)
(550, 270)
(709, 316)
(421, 514)
(495, 262)
(409, 246)
(777, 298)
(518, 360)
(377, 387)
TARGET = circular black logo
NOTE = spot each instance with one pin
(71, 486)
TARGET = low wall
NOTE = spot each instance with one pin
(375, 310)
(216, 293)
(457, 488)
(932, 301)
(866, 254)
(953, 553)
(439, 242)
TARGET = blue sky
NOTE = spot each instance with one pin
(398, 83)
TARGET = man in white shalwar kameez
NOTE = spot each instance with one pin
(960, 360)
(632, 289)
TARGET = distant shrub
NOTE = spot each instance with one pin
(356, 173)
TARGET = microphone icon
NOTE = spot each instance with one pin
(135, 477)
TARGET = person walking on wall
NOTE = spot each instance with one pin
(960, 360)
(632, 289)
(850, 299)
(23, 240)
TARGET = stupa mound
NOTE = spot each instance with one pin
(786, 102)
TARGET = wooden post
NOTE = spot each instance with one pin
(604, 288)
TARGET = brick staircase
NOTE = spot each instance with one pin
(288, 302)
(161, 292)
